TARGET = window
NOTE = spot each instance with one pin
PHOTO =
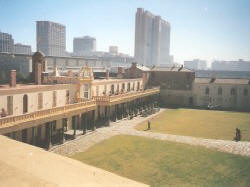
(25, 104)
(86, 91)
(128, 88)
(53, 126)
(138, 86)
(123, 86)
(97, 90)
(233, 91)
(112, 89)
(67, 96)
(105, 89)
(118, 88)
(245, 92)
(219, 91)
(54, 99)
(40, 101)
(207, 91)
(10, 105)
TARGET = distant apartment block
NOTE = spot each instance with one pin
(51, 38)
(196, 64)
(22, 49)
(113, 50)
(84, 45)
(152, 39)
(6, 43)
(239, 65)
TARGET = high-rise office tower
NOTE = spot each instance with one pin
(6, 43)
(50, 38)
(152, 39)
(84, 45)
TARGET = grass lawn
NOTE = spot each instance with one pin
(163, 163)
(201, 123)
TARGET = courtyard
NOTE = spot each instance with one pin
(200, 123)
(164, 163)
(161, 158)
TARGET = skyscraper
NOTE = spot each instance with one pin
(6, 43)
(51, 38)
(84, 45)
(152, 39)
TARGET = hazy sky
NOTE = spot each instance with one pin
(205, 29)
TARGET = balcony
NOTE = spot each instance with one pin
(43, 116)
(121, 98)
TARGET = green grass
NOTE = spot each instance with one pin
(201, 123)
(163, 163)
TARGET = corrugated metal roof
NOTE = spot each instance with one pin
(221, 81)
(202, 80)
(231, 81)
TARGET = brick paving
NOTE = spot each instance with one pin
(126, 127)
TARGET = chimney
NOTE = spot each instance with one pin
(38, 73)
(107, 74)
(133, 65)
(12, 78)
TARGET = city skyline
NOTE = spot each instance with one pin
(200, 29)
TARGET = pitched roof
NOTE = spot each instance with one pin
(172, 69)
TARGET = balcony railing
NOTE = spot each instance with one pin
(11, 120)
(106, 100)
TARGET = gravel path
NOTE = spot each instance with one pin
(126, 127)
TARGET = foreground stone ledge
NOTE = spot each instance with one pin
(24, 165)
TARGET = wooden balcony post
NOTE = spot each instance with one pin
(93, 120)
(123, 111)
(108, 115)
(64, 126)
(48, 132)
(33, 140)
(83, 124)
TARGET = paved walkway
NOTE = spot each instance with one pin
(126, 127)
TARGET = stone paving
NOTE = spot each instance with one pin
(126, 127)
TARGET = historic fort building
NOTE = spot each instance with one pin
(55, 107)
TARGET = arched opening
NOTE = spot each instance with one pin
(219, 91)
(25, 104)
(112, 89)
(138, 86)
(207, 91)
(191, 101)
(233, 91)
(245, 92)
